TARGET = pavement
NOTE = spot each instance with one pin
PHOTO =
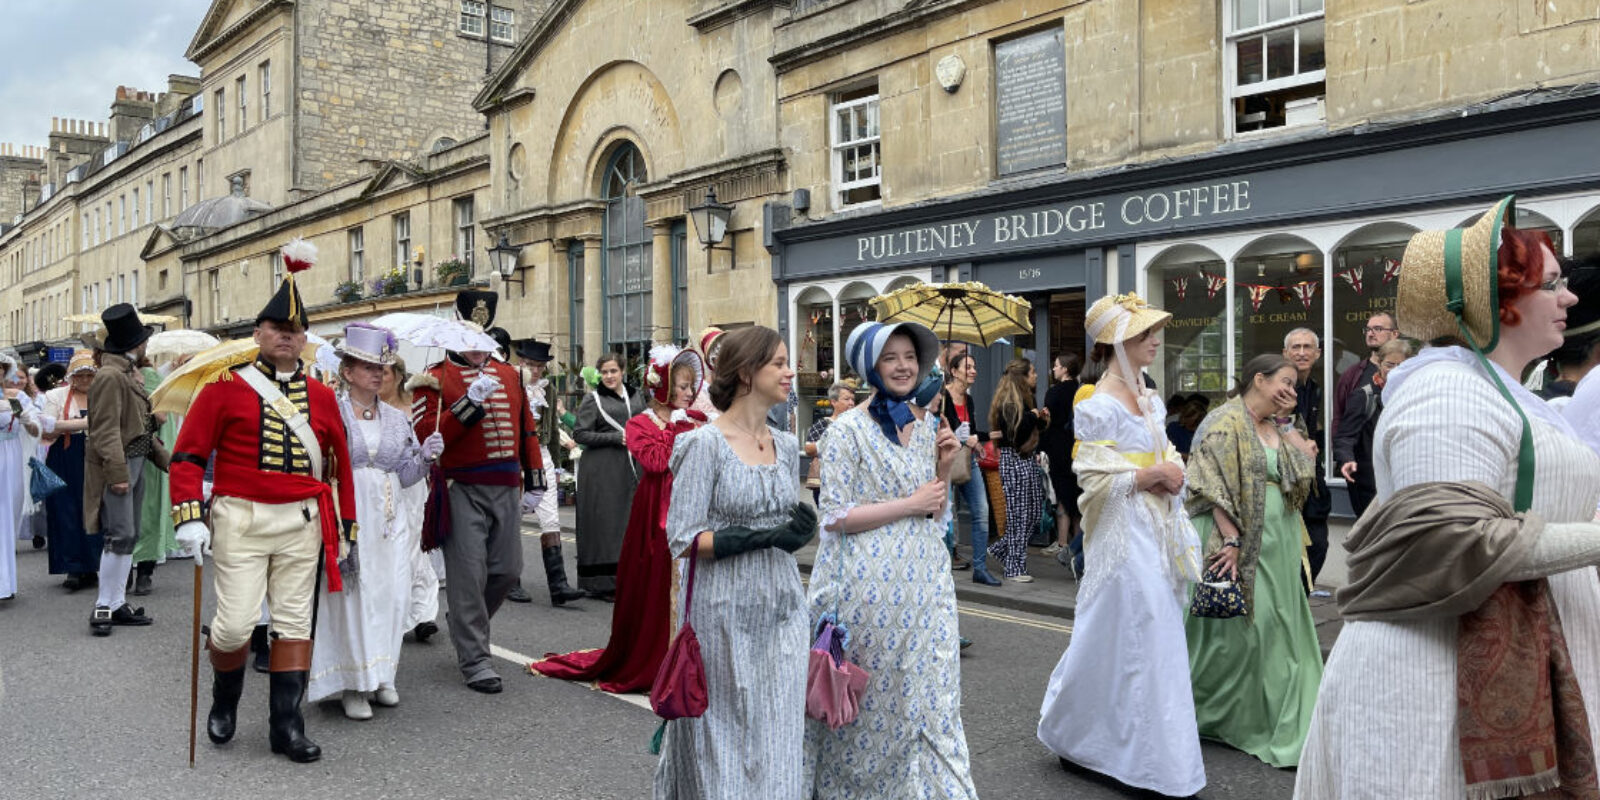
(82, 716)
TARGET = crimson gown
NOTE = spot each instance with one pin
(641, 621)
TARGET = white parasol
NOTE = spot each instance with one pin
(426, 330)
(179, 343)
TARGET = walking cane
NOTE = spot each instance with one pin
(194, 661)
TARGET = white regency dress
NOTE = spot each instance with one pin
(16, 446)
(1385, 722)
(1120, 700)
(359, 629)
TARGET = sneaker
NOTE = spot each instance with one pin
(1055, 547)
(1020, 578)
(965, 643)
(1321, 593)
(355, 705)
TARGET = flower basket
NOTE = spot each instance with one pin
(452, 272)
(389, 284)
(347, 292)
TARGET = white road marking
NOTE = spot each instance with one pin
(523, 661)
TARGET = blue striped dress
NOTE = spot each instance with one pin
(749, 613)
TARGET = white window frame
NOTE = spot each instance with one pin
(166, 195)
(264, 77)
(133, 281)
(111, 221)
(474, 18)
(358, 254)
(150, 201)
(466, 239)
(402, 239)
(243, 90)
(502, 24)
(837, 147)
(136, 222)
(1230, 62)
(222, 113)
(183, 189)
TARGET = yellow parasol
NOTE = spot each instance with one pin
(144, 319)
(961, 312)
(179, 389)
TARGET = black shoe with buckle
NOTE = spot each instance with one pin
(490, 685)
(425, 629)
(100, 621)
(128, 615)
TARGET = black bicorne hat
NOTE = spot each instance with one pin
(477, 307)
(285, 306)
(501, 337)
(124, 331)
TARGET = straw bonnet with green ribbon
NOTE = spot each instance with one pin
(1449, 287)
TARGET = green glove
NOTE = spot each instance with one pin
(790, 536)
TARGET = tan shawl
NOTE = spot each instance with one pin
(1446, 549)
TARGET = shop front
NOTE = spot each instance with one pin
(1242, 246)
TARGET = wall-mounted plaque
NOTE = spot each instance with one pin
(1030, 102)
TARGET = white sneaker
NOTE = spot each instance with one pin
(355, 705)
(1022, 579)
(1055, 547)
(386, 696)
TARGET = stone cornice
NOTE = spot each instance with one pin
(204, 44)
(830, 43)
(732, 12)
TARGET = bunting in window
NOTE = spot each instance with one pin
(1257, 294)
(1214, 283)
(1391, 270)
(1180, 286)
(1306, 290)
(1354, 277)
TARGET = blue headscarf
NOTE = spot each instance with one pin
(866, 342)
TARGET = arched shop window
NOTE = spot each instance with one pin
(1529, 220)
(1366, 271)
(813, 352)
(854, 309)
(626, 266)
(1191, 282)
(1586, 236)
(1277, 286)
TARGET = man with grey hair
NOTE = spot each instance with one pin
(1381, 328)
(1303, 349)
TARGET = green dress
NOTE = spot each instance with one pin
(1256, 677)
(156, 537)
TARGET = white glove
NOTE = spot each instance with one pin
(530, 500)
(195, 538)
(963, 432)
(432, 446)
(481, 388)
(679, 415)
(205, 490)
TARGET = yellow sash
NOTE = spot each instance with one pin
(1140, 460)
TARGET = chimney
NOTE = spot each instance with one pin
(130, 112)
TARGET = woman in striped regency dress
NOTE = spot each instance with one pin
(735, 507)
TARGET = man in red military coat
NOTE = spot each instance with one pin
(279, 442)
(491, 456)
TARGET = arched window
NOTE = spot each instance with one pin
(625, 268)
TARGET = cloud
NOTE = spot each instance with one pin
(65, 58)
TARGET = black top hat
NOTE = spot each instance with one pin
(50, 376)
(477, 307)
(124, 331)
(533, 350)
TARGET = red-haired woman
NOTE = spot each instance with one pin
(1478, 680)
(640, 622)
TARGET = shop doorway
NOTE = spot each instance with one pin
(1057, 329)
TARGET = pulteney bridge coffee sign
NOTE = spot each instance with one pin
(1052, 225)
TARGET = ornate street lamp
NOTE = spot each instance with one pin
(503, 257)
(711, 223)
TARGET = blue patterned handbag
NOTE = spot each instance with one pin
(43, 482)
(1216, 597)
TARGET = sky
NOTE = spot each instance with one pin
(65, 58)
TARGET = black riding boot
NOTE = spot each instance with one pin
(555, 573)
(227, 684)
(260, 643)
(291, 662)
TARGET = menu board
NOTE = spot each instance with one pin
(1031, 102)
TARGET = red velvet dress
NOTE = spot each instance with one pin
(641, 621)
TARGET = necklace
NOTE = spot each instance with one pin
(761, 446)
(368, 412)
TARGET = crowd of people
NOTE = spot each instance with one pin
(1195, 530)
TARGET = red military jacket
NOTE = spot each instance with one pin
(488, 444)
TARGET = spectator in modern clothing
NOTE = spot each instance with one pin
(1381, 327)
(1057, 445)
(1352, 448)
(962, 418)
(842, 396)
(1303, 349)
(1579, 352)
(1181, 430)
(1016, 423)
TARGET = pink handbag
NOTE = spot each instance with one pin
(680, 686)
(833, 685)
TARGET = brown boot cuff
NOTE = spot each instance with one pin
(290, 655)
(228, 661)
